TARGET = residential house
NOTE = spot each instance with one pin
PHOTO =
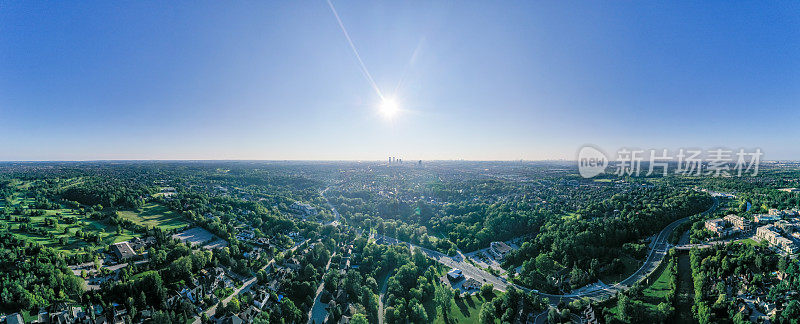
(260, 298)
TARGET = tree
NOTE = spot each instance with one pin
(418, 314)
(487, 291)
(359, 319)
(233, 306)
(443, 296)
(664, 312)
(487, 315)
(545, 264)
(704, 313)
(290, 312)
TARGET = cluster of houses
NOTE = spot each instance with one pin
(200, 290)
(751, 295)
(247, 235)
(265, 296)
(63, 313)
(339, 299)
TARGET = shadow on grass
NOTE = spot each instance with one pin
(462, 307)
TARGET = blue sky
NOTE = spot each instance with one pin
(477, 80)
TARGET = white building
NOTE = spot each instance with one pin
(770, 234)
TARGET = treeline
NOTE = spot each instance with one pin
(109, 194)
(473, 226)
(588, 244)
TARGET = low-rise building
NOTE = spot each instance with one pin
(499, 249)
(455, 275)
(245, 235)
(15, 318)
(303, 208)
(766, 219)
(471, 284)
(770, 234)
(719, 226)
(122, 250)
(738, 222)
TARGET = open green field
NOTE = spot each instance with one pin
(749, 241)
(660, 288)
(655, 293)
(64, 231)
(466, 309)
(154, 215)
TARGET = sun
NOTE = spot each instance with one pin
(389, 108)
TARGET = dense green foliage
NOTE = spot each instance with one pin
(591, 243)
(33, 276)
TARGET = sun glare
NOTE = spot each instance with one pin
(389, 108)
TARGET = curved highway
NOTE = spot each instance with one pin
(658, 250)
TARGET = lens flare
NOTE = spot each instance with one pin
(389, 108)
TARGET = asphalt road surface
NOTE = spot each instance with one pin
(658, 250)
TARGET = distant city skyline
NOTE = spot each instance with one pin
(475, 81)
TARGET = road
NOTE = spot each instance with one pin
(458, 261)
(336, 215)
(658, 250)
(246, 285)
(251, 281)
(317, 313)
(384, 285)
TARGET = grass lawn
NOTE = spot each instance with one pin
(466, 309)
(653, 294)
(631, 265)
(749, 241)
(660, 288)
(65, 230)
(154, 215)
